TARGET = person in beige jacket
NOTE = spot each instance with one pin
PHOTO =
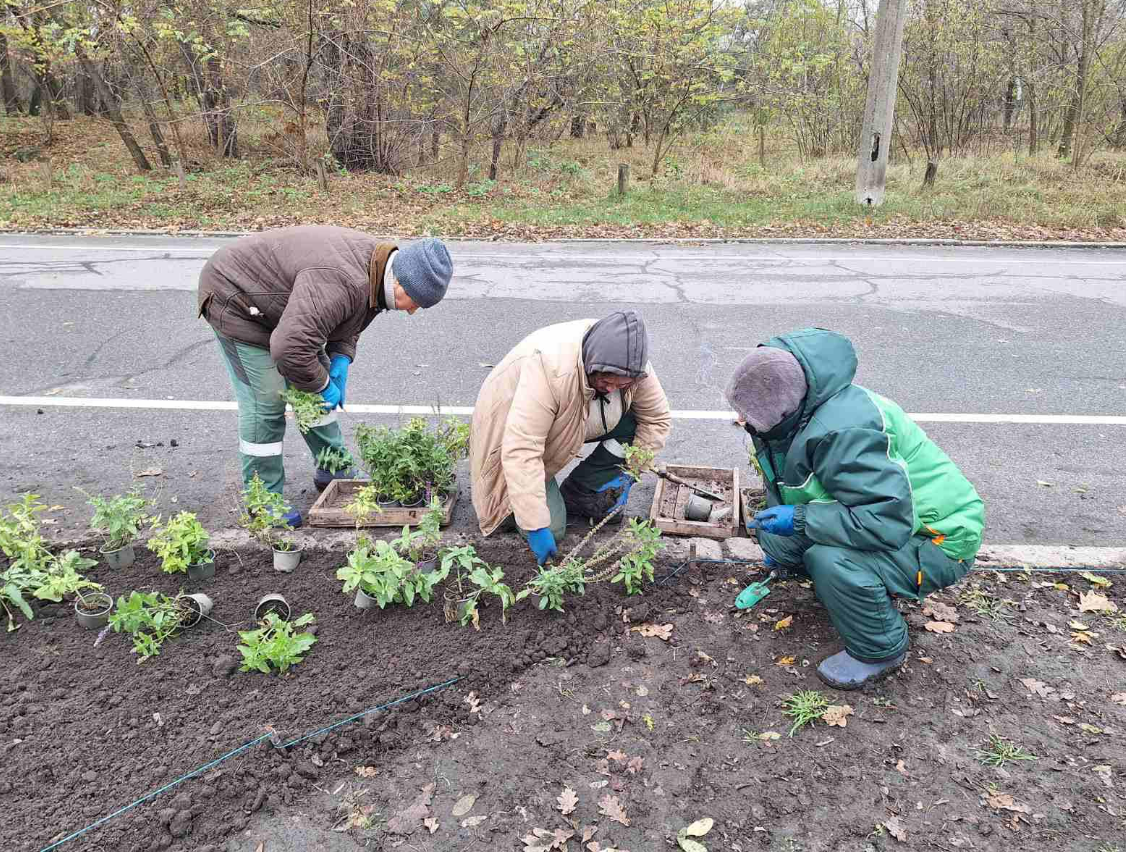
(564, 386)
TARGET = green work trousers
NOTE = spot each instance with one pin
(261, 414)
(592, 473)
(856, 586)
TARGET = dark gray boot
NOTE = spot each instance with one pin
(844, 671)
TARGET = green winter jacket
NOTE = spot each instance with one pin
(861, 473)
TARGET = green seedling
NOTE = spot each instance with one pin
(118, 520)
(414, 544)
(64, 578)
(179, 543)
(275, 646)
(635, 567)
(998, 751)
(380, 572)
(308, 408)
(804, 708)
(473, 570)
(365, 504)
(985, 604)
(551, 584)
(335, 460)
(264, 515)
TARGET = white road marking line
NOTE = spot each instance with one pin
(465, 410)
(619, 255)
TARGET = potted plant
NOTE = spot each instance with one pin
(181, 545)
(380, 576)
(92, 610)
(263, 517)
(332, 461)
(151, 618)
(415, 463)
(551, 584)
(118, 521)
(420, 545)
(475, 580)
(274, 645)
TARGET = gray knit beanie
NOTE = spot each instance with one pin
(423, 270)
(767, 387)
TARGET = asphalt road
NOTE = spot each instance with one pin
(971, 334)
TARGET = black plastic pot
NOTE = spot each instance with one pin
(204, 570)
(274, 603)
(100, 617)
(121, 557)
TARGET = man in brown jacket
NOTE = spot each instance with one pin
(563, 386)
(288, 306)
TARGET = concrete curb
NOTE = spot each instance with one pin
(1030, 556)
(860, 241)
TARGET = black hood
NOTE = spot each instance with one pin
(618, 344)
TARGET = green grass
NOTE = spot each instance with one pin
(998, 751)
(804, 708)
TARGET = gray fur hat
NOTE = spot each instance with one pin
(767, 387)
(423, 270)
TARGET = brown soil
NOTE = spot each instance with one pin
(566, 700)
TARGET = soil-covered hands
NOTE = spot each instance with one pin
(777, 520)
(624, 482)
(542, 543)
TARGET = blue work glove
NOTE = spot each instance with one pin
(777, 520)
(624, 482)
(543, 545)
(332, 396)
(338, 373)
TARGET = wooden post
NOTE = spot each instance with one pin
(623, 178)
(183, 177)
(879, 110)
(322, 175)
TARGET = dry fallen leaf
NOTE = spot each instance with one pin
(661, 631)
(1064, 720)
(1004, 802)
(617, 756)
(1037, 687)
(783, 623)
(473, 821)
(901, 767)
(542, 840)
(366, 771)
(895, 829)
(150, 471)
(1090, 729)
(410, 818)
(697, 829)
(939, 627)
(766, 736)
(1101, 582)
(1094, 602)
(634, 765)
(1082, 637)
(568, 800)
(752, 680)
(473, 701)
(609, 806)
(431, 824)
(1119, 698)
(784, 661)
(837, 714)
(941, 612)
(463, 806)
(1103, 771)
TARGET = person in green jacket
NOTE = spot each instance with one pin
(859, 498)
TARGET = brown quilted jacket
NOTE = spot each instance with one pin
(295, 291)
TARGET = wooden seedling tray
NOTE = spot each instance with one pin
(328, 511)
(749, 497)
(669, 500)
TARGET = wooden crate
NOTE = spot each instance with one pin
(749, 497)
(328, 511)
(669, 499)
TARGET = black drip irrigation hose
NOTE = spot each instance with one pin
(271, 737)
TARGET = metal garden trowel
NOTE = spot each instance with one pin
(756, 591)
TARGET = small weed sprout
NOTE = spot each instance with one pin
(275, 646)
(179, 543)
(985, 604)
(118, 520)
(308, 408)
(804, 708)
(998, 751)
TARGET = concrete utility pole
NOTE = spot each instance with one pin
(879, 111)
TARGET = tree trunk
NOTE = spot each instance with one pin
(930, 175)
(1033, 120)
(7, 83)
(85, 96)
(224, 135)
(500, 125)
(578, 126)
(1118, 138)
(113, 109)
(435, 142)
(1086, 49)
(36, 103)
(1010, 103)
(153, 121)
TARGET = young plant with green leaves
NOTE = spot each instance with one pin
(484, 580)
(639, 461)
(308, 408)
(417, 543)
(552, 584)
(365, 504)
(264, 515)
(642, 544)
(276, 644)
(380, 572)
(118, 520)
(998, 751)
(150, 619)
(179, 543)
(414, 462)
(64, 577)
(335, 460)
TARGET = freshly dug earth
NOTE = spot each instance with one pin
(670, 730)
